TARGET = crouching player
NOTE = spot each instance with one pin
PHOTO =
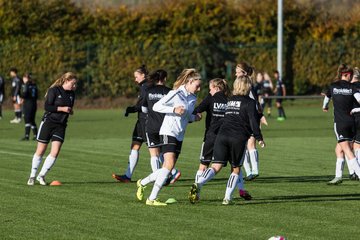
(240, 122)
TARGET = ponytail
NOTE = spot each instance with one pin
(60, 81)
(186, 76)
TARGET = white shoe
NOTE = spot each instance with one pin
(41, 180)
(31, 181)
(227, 202)
(16, 120)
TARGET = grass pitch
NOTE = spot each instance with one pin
(291, 197)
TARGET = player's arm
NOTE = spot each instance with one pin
(204, 105)
(252, 114)
(166, 104)
(326, 101)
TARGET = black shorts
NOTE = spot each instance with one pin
(1, 98)
(29, 112)
(207, 149)
(170, 144)
(344, 131)
(229, 149)
(139, 131)
(153, 140)
(357, 128)
(268, 101)
(50, 131)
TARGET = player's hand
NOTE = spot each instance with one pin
(325, 109)
(198, 117)
(64, 109)
(263, 121)
(128, 111)
(262, 143)
(179, 110)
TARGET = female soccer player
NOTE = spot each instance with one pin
(251, 162)
(343, 94)
(15, 93)
(29, 94)
(178, 105)
(240, 122)
(267, 90)
(138, 136)
(280, 90)
(59, 102)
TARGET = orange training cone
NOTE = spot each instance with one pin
(55, 183)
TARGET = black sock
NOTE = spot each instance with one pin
(27, 130)
(34, 129)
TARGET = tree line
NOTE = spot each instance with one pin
(105, 45)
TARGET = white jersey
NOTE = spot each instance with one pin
(173, 124)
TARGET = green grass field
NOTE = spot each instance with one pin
(291, 197)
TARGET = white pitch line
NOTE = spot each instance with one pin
(16, 154)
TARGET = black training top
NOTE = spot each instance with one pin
(240, 119)
(16, 86)
(154, 119)
(279, 87)
(58, 97)
(215, 107)
(144, 85)
(29, 92)
(342, 93)
(266, 87)
(2, 85)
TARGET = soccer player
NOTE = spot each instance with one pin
(251, 162)
(267, 90)
(240, 122)
(59, 102)
(16, 86)
(178, 105)
(280, 90)
(2, 92)
(154, 93)
(29, 94)
(343, 94)
(138, 136)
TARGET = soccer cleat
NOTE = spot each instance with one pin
(41, 180)
(335, 181)
(24, 139)
(140, 190)
(121, 178)
(175, 176)
(245, 195)
(16, 120)
(227, 202)
(251, 177)
(31, 181)
(155, 202)
(353, 177)
(194, 194)
(281, 119)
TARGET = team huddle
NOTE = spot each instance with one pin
(232, 125)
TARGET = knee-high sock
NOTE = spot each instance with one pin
(357, 155)
(27, 129)
(34, 129)
(247, 163)
(207, 175)
(197, 176)
(151, 178)
(49, 162)
(254, 159)
(133, 159)
(240, 183)
(351, 171)
(231, 184)
(160, 180)
(155, 163)
(339, 167)
(355, 165)
(36, 161)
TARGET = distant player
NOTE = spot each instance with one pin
(59, 102)
(280, 90)
(343, 94)
(138, 136)
(29, 94)
(240, 122)
(15, 93)
(2, 93)
(267, 90)
(178, 105)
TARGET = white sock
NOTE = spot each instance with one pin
(160, 180)
(254, 159)
(207, 175)
(173, 171)
(247, 164)
(49, 162)
(351, 171)
(357, 155)
(151, 178)
(36, 161)
(133, 159)
(231, 184)
(155, 163)
(240, 183)
(197, 176)
(355, 165)
(339, 167)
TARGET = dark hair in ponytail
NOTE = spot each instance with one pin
(143, 70)
(343, 68)
(157, 76)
